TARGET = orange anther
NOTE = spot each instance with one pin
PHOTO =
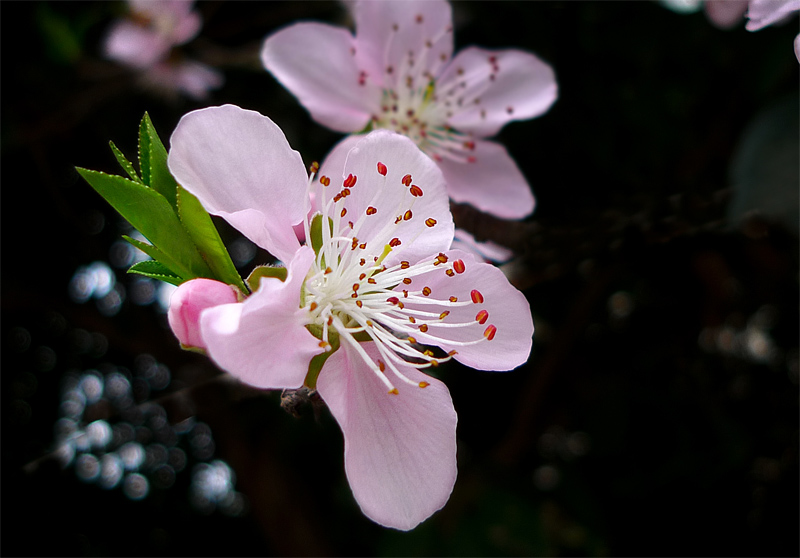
(411, 339)
(312, 307)
(444, 314)
(449, 273)
(371, 210)
(423, 384)
(423, 328)
(395, 242)
(324, 180)
(404, 265)
(441, 258)
(453, 299)
(344, 211)
(426, 291)
(382, 366)
(407, 280)
(430, 221)
(394, 391)
(359, 303)
(416, 191)
(407, 215)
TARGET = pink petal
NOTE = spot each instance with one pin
(134, 45)
(389, 197)
(523, 86)
(487, 251)
(761, 13)
(315, 63)
(508, 311)
(263, 340)
(240, 166)
(797, 47)
(399, 450)
(174, 20)
(492, 182)
(387, 31)
(725, 14)
(188, 301)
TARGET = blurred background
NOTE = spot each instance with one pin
(657, 415)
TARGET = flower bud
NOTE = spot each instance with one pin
(188, 302)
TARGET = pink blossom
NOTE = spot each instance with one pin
(188, 301)
(760, 13)
(378, 280)
(398, 73)
(145, 40)
(487, 251)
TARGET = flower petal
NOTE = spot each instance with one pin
(761, 13)
(391, 33)
(315, 62)
(240, 166)
(508, 311)
(725, 14)
(492, 182)
(189, 300)
(495, 87)
(399, 450)
(134, 45)
(378, 203)
(487, 251)
(263, 340)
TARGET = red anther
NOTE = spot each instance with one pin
(344, 211)
(407, 180)
(395, 242)
(490, 332)
(492, 59)
(371, 210)
(350, 224)
(350, 181)
(324, 180)
(337, 197)
(510, 110)
(363, 245)
(437, 158)
(423, 328)
(381, 366)
(355, 243)
(312, 307)
(382, 169)
(476, 295)
(441, 258)
(361, 277)
(404, 265)
(407, 215)
(394, 391)
(393, 300)
(444, 314)
(471, 159)
(405, 293)
(459, 266)
(359, 303)
(453, 299)
(430, 221)
(411, 339)
(328, 270)
(416, 191)
(354, 295)
(426, 291)
(482, 316)
(419, 18)
(389, 69)
(407, 280)
(399, 218)
(423, 384)
(362, 261)
(330, 321)
(345, 193)
(470, 144)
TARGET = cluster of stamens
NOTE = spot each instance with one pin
(351, 294)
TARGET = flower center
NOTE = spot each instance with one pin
(352, 295)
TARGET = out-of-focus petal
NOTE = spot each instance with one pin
(797, 47)
(386, 195)
(390, 33)
(493, 183)
(725, 14)
(486, 251)
(263, 340)
(188, 301)
(508, 313)
(316, 63)
(400, 450)
(495, 87)
(134, 45)
(761, 13)
(240, 166)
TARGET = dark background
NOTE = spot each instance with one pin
(658, 413)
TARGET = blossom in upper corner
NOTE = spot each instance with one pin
(374, 297)
(145, 41)
(398, 73)
(760, 13)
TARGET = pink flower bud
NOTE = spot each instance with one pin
(188, 302)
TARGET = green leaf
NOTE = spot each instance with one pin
(144, 149)
(157, 255)
(202, 231)
(126, 165)
(151, 214)
(153, 151)
(254, 279)
(155, 270)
